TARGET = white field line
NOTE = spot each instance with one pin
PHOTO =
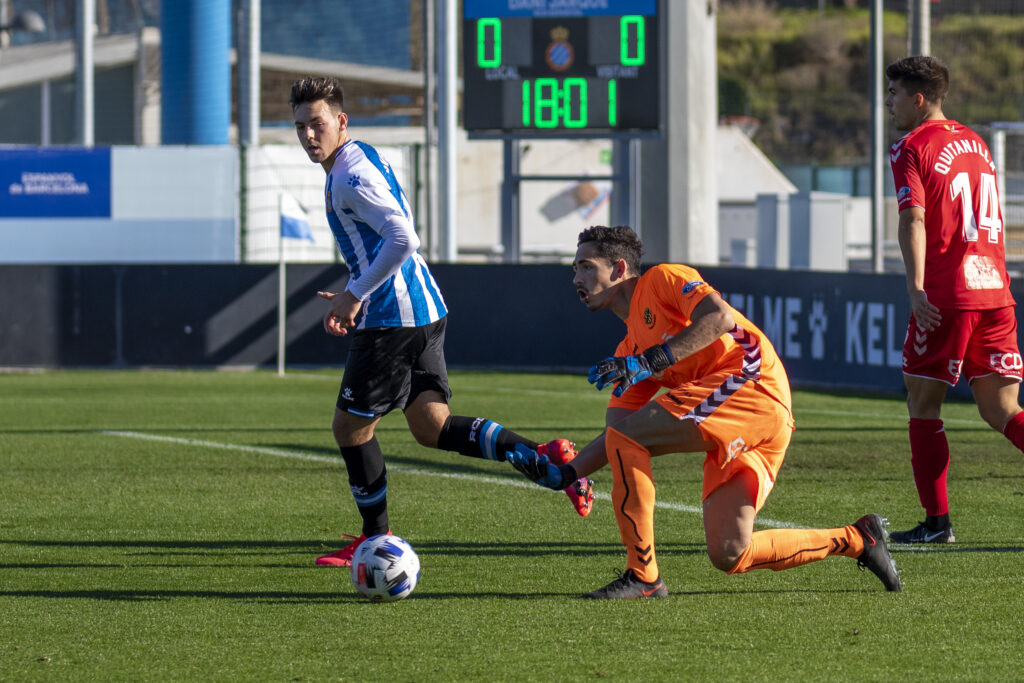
(603, 396)
(577, 395)
(476, 478)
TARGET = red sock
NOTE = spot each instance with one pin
(1014, 430)
(929, 457)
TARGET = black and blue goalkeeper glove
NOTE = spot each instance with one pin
(537, 468)
(628, 370)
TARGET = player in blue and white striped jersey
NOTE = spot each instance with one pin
(372, 222)
(396, 315)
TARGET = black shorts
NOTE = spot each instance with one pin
(388, 367)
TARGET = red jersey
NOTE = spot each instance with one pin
(660, 307)
(946, 169)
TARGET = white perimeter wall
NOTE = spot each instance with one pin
(552, 213)
(182, 204)
(273, 169)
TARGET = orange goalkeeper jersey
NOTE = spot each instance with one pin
(662, 304)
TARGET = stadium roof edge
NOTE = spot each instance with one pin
(25, 65)
(29, 64)
(347, 70)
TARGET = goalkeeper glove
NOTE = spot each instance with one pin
(537, 468)
(628, 370)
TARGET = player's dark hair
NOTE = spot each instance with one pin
(315, 88)
(920, 74)
(615, 243)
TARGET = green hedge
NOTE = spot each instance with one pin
(805, 76)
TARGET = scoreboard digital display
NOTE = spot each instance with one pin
(561, 68)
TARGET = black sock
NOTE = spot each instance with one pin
(368, 479)
(478, 437)
(938, 522)
(569, 475)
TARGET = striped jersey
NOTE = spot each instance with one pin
(661, 306)
(371, 220)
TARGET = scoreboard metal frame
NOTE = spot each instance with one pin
(562, 68)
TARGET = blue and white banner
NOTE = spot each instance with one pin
(54, 182)
(294, 222)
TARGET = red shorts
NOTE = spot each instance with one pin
(974, 343)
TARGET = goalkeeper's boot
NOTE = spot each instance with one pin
(581, 491)
(876, 555)
(923, 534)
(629, 586)
(343, 557)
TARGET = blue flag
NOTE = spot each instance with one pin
(293, 219)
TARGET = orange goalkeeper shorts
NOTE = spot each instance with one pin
(750, 429)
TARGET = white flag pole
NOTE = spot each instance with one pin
(282, 314)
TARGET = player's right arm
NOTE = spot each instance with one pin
(911, 199)
(710, 319)
(590, 459)
(913, 240)
(593, 456)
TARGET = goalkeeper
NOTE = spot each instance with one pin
(728, 396)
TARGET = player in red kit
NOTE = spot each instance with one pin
(962, 314)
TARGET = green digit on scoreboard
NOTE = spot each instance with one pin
(526, 103)
(626, 56)
(549, 104)
(580, 86)
(613, 103)
(545, 104)
(481, 43)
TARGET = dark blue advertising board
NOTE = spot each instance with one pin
(830, 329)
(54, 182)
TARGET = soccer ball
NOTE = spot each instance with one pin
(385, 568)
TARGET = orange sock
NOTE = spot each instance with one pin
(633, 499)
(779, 549)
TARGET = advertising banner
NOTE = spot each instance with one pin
(54, 182)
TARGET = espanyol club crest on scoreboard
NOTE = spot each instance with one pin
(559, 54)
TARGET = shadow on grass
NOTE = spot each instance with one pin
(240, 544)
(253, 548)
(958, 548)
(351, 597)
(152, 565)
(310, 548)
(267, 597)
(325, 428)
(283, 597)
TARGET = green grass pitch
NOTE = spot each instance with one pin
(163, 526)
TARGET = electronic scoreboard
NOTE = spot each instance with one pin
(561, 68)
